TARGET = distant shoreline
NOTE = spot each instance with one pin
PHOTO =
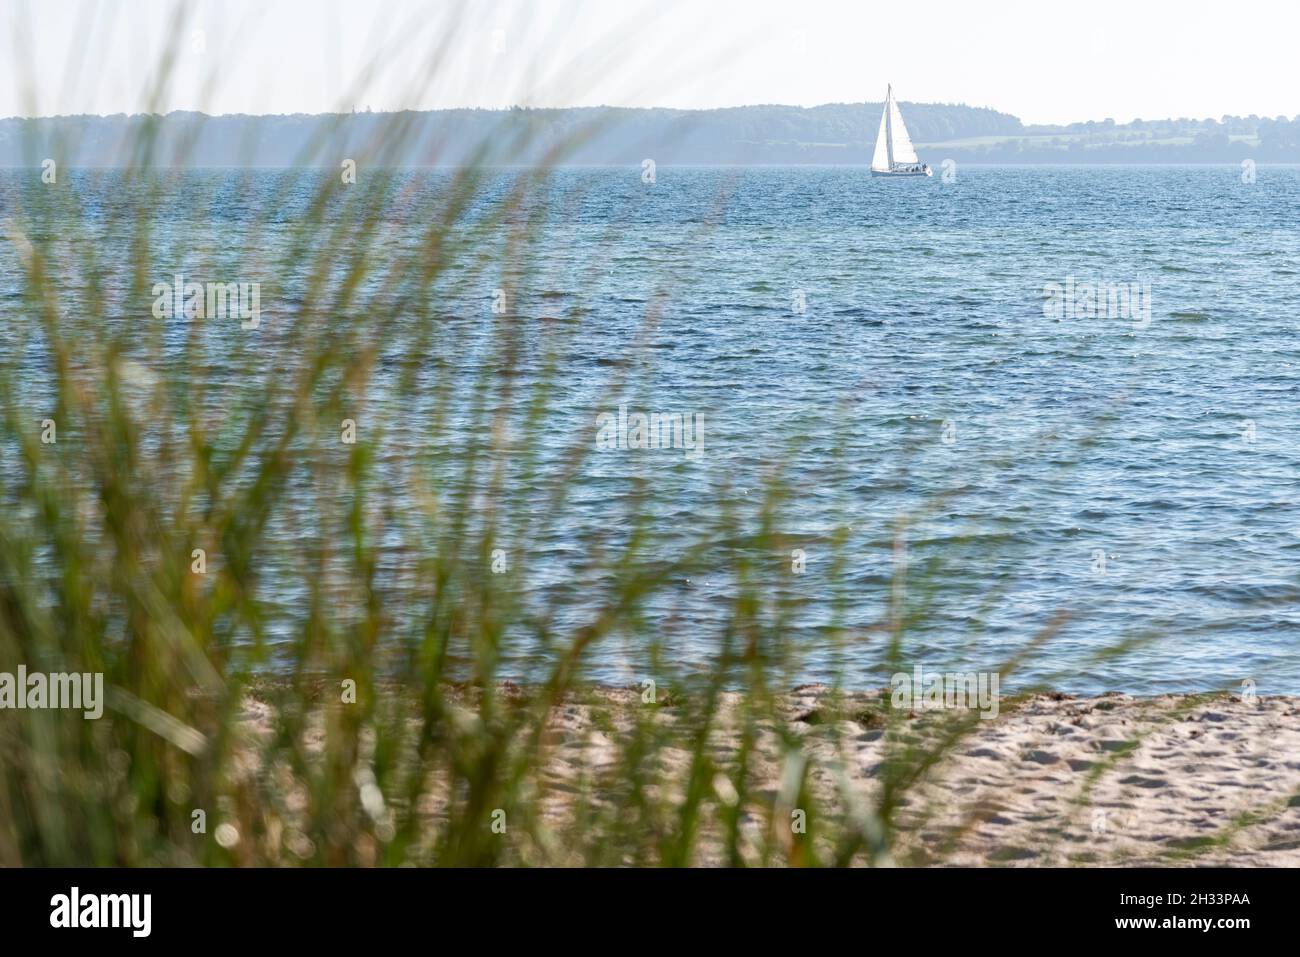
(831, 134)
(865, 165)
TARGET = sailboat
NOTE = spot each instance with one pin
(895, 155)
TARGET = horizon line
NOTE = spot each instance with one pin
(368, 111)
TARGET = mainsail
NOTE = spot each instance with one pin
(893, 145)
(901, 150)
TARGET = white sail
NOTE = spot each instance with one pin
(901, 149)
(895, 155)
(880, 159)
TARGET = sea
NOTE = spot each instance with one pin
(1043, 421)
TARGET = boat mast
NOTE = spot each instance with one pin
(889, 125)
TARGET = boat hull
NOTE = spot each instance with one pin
(896, 175)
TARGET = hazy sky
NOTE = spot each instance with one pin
(1043, 61)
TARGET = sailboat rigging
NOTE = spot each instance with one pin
(895, 155)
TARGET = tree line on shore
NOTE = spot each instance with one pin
(751, 135)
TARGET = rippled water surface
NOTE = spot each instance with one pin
(1142, 478)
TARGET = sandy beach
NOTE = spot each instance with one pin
(1053, 780)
